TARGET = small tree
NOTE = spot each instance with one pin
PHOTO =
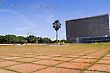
(31, 39)
(56, 26)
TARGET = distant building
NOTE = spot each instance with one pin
(96, 26)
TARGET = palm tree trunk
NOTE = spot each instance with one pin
(57, 36)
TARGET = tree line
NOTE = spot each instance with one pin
(13, 39)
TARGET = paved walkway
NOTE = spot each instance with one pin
(90, 61)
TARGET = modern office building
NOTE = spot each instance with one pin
(96, 26)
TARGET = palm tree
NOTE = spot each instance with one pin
(56, 26)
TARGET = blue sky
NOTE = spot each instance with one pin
(21, 17)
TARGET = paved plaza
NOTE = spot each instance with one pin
(91, 61)
(79, 61)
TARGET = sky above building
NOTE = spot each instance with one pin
(21, 17)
